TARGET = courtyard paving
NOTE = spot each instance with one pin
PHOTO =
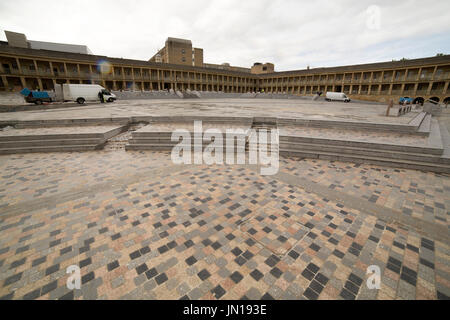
(290, 109)
(140, 227)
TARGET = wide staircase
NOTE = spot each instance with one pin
(158, 134)
(429, 155)
(56, 139)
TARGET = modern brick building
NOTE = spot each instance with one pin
(179, 51)
(22, 66)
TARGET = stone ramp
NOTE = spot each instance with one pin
(56, 139)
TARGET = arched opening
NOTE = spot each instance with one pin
(436, 99)
(447, 100)
(419, 100)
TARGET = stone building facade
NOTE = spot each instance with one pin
(420, 79)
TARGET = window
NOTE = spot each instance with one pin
(183, 59)
(183, 51)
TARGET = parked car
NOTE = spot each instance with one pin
(86, 92)
(337, 96)
(36, 97)
(406, 100)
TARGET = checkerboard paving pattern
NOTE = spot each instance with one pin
(205, 232)
(423, 195)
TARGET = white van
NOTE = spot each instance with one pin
(86, 92)
(337, 96)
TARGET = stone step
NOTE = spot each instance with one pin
(411, 127)
(162, 146)
(167, 135)
(59, 148)
(50, 142)
(436, 150)
(20, 124)
(141, 140)
(415, 165)
(389, 154)
(61, 136)
(33, 137)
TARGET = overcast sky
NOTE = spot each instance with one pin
(290, 33)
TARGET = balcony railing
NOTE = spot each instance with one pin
(437, 91)
(444, 76)
(72, 74)
(47, 73)
(411, 78)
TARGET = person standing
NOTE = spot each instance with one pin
(100, 95)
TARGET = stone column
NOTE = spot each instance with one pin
(434, 73)
(36, 67)
(5, 82)
(19, 65)
(419, 74)
(23, 82)
(430, 85)
(445, 88)
(51, 68)
(41, 87)
(159, 79)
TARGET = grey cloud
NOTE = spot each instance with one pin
(290, 33)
